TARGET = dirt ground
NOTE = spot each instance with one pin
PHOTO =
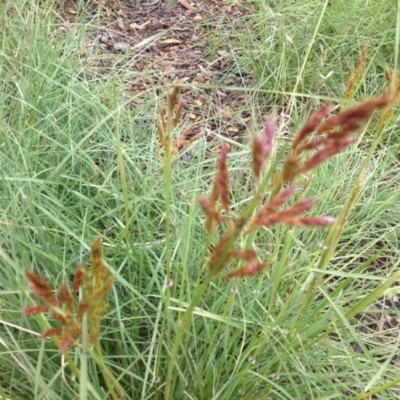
(174, 41)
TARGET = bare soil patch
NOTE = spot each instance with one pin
(174, 41)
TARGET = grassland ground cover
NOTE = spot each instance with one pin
(83, 85)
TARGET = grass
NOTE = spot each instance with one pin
(78, 163)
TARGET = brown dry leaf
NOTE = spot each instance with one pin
(140, 27)
(223, 53)
(71, 11)
(120, 24)
(187, 5)
(171, 41)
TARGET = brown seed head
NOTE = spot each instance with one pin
(250, 269)
(222, 177)
(173, 97)
(65, 297)
(51, 332)
(327, 152)
(268, 220)
(211, 213)
(358, 113)
(78, 278)
(243, 254)
(41, 288)
(278, 200)
(311, 124)
(262, 147)
(218, 258)
(309, 221)
(35, 310)
(66, 341)
(290, 168)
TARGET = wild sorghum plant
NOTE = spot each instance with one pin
(322, 137)
(332, 136)
(77, 312)
(68, 311)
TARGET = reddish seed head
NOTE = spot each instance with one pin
(66, 341)
(243, 255)
(222, 177)
(327, 152)
(35, 310)
(64, 296)
(262, 147)
(309, 221)
(41, 288)
(49, 333)
(311, 124)
(290, 167)
(211, 213)
(357, 114)
(250, 269)
(78, 278)
(268, 220)
(278, 200)
(82, 308)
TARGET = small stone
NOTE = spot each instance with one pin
(120, 46)
(104, 38)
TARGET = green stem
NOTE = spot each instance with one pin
(386, 386)
(184, 325)
(168, 252)
(112, 384)
(237, 229)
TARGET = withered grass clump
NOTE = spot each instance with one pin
(64, 306)
(322, 136)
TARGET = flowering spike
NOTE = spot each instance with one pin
(309, 221)
(82, 308)
(51, 332)
(358, 113)
(290, 168)
(59, 316)
(262, 147)
(251, 268)
(94, 285)
(41, 288)
(161, 128)
(311, 124)
(96, 264)
(173, 98)
(182, 138)
(243, 255)
(222, 177)
(64, 296)
(78, 278)
(209, 210)
(278, 200)
(296, 209)
(326, 153)
(354, 76)
(219, 250)
(178, 113)
(66, 341)
(35, 310)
